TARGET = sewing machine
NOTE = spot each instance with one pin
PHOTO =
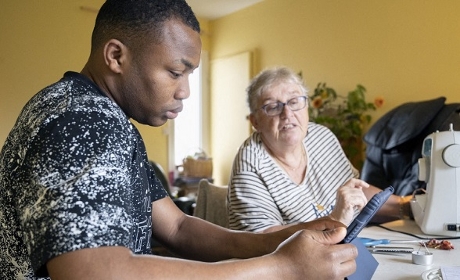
(437, 211)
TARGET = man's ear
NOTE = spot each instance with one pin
(115, 55)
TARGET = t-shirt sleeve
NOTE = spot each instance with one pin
(79, 189)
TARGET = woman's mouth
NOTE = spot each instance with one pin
(287, 126)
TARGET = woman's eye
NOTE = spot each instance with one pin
(273, 106)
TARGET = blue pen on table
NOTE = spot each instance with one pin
(375, 242)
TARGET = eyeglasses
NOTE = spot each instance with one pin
(275, 108)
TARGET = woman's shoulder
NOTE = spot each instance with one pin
(253, 142)
(320, 136)
(251, 147)
(319, 129)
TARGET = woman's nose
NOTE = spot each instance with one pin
(286, 112)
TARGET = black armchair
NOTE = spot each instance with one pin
(394, 142)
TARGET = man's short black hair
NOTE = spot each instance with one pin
(131, 20)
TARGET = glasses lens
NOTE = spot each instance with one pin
(273, 109)
(297, 103)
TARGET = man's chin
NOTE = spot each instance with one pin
(159, 122)
(153, 122)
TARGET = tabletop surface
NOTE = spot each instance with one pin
(399, 266)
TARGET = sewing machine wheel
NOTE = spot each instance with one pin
(451, 155)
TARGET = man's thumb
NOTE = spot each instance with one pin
(332, 236)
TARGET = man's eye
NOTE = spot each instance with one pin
(175, 75)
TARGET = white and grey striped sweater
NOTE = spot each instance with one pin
(262, 195)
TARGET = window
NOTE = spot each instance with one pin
(187, 133)
(187, 126)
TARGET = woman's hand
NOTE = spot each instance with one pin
(350, 198)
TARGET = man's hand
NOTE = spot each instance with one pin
(316, 255)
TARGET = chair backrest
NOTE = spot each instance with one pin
(211, 203)
(186, 204)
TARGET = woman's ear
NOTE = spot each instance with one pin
(115, 55)
(253, 120)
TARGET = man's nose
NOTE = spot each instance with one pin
(183, 91)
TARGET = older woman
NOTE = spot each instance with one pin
(289, 170)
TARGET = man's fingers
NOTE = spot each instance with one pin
(329, 237)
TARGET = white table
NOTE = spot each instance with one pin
(400, 266)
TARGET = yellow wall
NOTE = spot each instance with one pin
(39, 41)
(402, 50)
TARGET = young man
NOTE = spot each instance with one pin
(78, 199)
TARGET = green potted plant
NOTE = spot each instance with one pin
(346, 116)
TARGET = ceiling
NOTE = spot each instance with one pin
(212, 9)
(206, 9)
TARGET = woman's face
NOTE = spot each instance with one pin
(287, 128)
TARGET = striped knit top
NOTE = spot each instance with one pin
(262, 195)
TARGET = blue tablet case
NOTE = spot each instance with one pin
(366, 264)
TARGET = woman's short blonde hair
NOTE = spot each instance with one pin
(267, 78)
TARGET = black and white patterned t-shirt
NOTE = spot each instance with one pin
(74, 174)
